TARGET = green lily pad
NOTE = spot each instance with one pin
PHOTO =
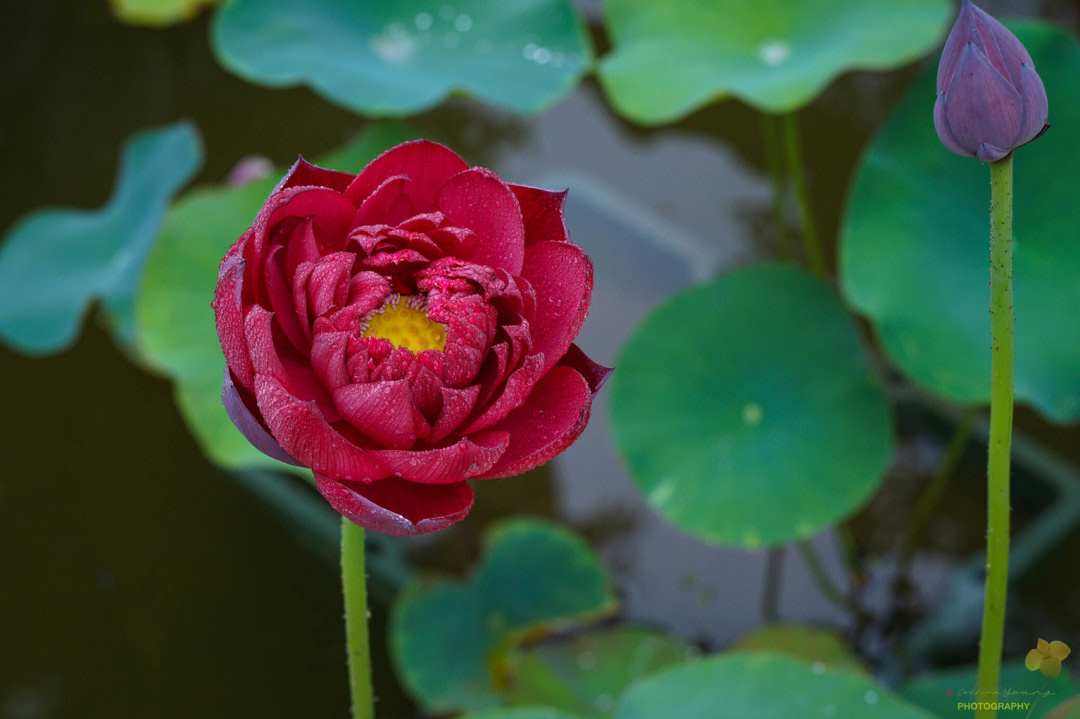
(1069, 709)
(448, 639)
(520, 713)
(814, 646)
(913, 253)
(177, 333)
(672, 57)
(746, 412)
(396, 58)
(939, 692)
(158, 12)
(55, 262)
(760, 686)
(586, 675)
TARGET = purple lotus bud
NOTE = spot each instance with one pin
(990, 100)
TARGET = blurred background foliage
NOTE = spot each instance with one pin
(778, 504)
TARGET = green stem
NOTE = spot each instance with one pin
(1001, 414)
(931, 494)
(354, 587)
(815, 258)
(821, 577)
(774, 160)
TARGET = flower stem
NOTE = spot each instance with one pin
(821, 577)
(1001, 414)
(354, 587)
(811, 245)
(774, 160)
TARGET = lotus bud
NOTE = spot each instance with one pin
(990, 100)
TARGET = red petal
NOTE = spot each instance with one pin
(467, 458)
(328, 285)
(554, 415)
(428, 165)
(397, 507)
(331, 214)
(229, 315)
(304, 174)
(562, 276)
(595, 374)
(480, 201)
(281, 300)
(387, 205)
(516, 388)
(248, 423)
(382, 411)
(542, 214)
(328, 357)
(304, 433)
(456, 405)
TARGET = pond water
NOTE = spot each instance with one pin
(141, 581)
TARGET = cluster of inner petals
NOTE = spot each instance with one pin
(385, 314)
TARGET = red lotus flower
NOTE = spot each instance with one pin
(404, 330)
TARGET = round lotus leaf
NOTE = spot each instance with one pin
(746, 410)
(396, 58)
(672, 57)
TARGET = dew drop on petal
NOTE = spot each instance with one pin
(463, 23)
(424, 21)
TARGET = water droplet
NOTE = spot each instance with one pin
(774, 52)
(871, 697)
(451, 39)
(752, 413)
(529, 50)
(424, 21)
(542, 56)
(463, 23)
(818, 667)
(394, 43)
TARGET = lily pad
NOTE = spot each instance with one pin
(586, 675)
(448, 639)
(1069, 709)
(913, 252)
(177, 333)
(939, 692)
(520, 713)
(55, 262)
(672, 57)
(396, 58)
(760, 686)
(159, 12)
(817, 647)
(746, 411)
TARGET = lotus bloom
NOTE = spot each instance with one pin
(404, 330)
(990, 100)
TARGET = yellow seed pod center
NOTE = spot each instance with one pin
(400, 321)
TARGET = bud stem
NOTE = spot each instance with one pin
(1001, 415)
(811, 246)
(354, 587)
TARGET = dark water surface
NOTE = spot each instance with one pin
(137, 580)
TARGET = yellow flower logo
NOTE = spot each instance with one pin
(1047, 658)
